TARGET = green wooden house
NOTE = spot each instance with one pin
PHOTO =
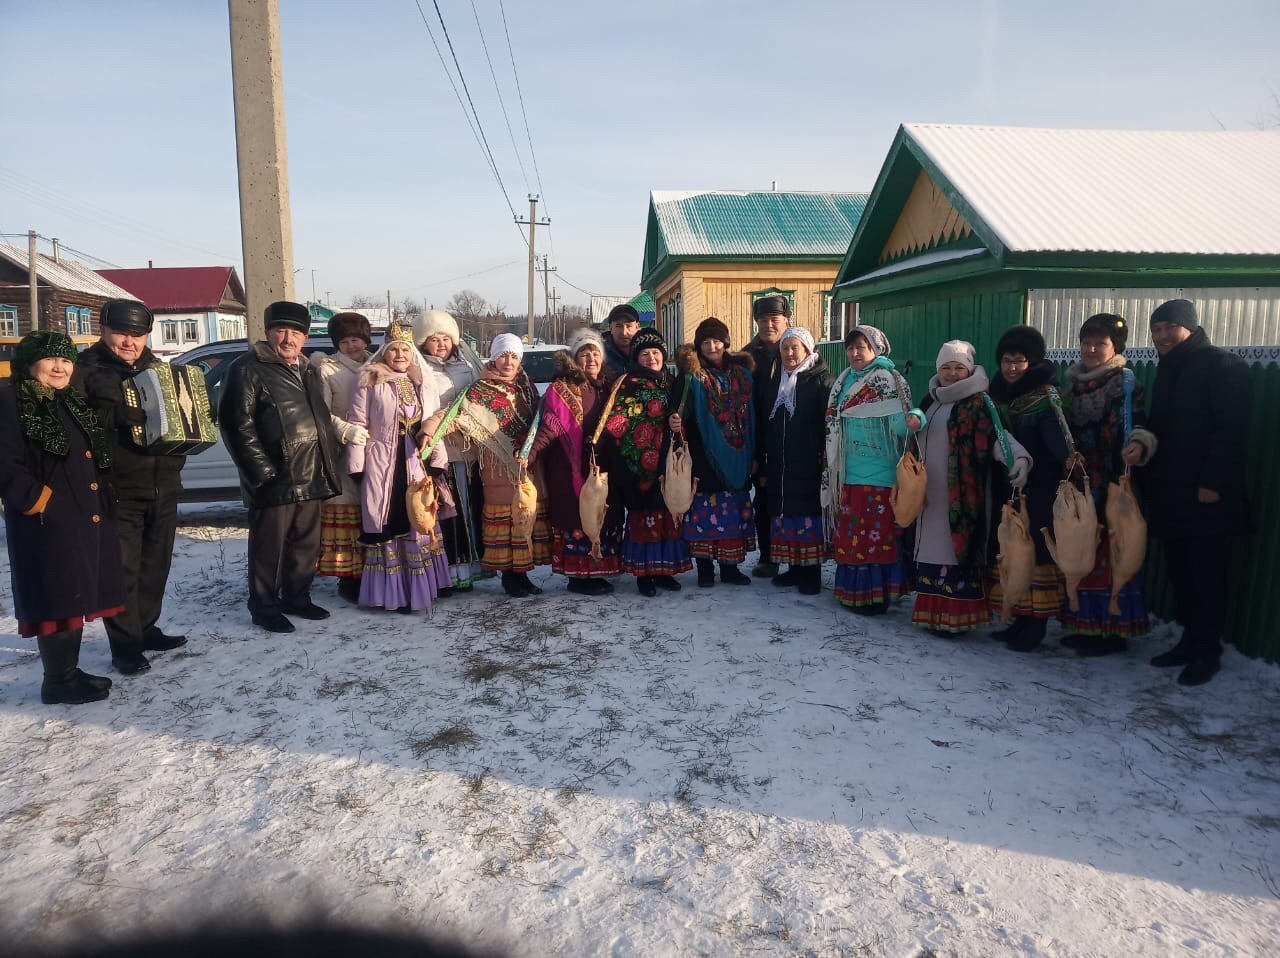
(970, 230)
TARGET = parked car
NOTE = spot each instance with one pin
(539, 362)
(211, 475)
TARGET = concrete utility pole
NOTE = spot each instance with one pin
(552, 319)
(532, 222)
(34, 280)
(266, 228)
(546, 289)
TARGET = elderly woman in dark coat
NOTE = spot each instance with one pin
(64, 554)
(792, 444)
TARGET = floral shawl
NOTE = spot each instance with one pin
(562, 412)
(636, 421)
(496, 415)
(722, 407)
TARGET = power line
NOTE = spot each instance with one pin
(454, 279)
(575, 285)
(501, 102)
(63, 246)
(474, 132)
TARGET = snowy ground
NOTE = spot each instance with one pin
(726, 771)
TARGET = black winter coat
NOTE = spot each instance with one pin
(615, 360)
(99, 374)
(767, 362)
(65, 560)
(794, 446)
(276, 425)
(1199, 414)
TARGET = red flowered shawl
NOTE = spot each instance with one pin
(637, 422)
(497, 414)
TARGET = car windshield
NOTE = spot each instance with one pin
(540, 365)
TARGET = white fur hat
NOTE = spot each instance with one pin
(435, 321)
(586, 336)
(956, 351)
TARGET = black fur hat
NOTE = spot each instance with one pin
(1107, 324)
(342, 325)
(1025, 340)
(710, 328)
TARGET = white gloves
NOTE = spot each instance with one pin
(356, 436)
(1018, 474)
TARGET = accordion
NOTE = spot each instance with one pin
(176, 405)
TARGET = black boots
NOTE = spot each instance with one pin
(706, 573)
(730, 574)
(1027, 633)
(518, 586)
(646, 586)
(590, 586)
(64, 684)
(349, 588)
(1092, 646)
(810, 579)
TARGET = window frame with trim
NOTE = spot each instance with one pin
(8, 314)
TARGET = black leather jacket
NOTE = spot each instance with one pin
(99, 374)
(276, 426)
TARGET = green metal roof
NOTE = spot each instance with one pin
(643, 303)
(727, 226)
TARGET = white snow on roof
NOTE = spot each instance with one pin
(1115, 191)
(66, 273)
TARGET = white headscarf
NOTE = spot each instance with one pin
(506, 343)
(787, 384)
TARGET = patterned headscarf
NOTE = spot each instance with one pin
(38, 404)
(878, 341)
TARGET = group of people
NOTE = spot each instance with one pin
(785, 457)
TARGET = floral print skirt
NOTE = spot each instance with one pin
(1095, 598)
(797, 540)
(721, 526)
(652, 545)
(865, 546)
(571, 554)
(949, 598)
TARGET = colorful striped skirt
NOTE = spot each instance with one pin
(503, 553)
(571, 554)
(949, 598)
(341, 553)
(1044, 601)
(652, 545)
(864, 543)
(720, 526)
(403, 571)
(1094, 618)
(797, 540)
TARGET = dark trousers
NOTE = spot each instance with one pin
(764, 520)
(1198, 574)
(284, 543)
(147, 530)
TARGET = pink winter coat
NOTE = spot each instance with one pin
(376, 406)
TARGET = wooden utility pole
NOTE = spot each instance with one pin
(557, 327)
(532, 222)
(266, 227)
(34, 280)
(546, 290)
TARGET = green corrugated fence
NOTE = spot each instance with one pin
(1253, 623)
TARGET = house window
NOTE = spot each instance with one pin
(190, 331)
(169, 332)
(73, 321)
(672, 314)
(8, 320)
(827, 299)
(86, 322)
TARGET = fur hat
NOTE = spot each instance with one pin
(1023, 340)
(287, 314)
(586, 336)
(710, 328)
(623, 313)
(770, 306)
(956, 351)
(342, 325)
(875, 338)
(1109, 325)
(435, 321)
(126, 316)
(1181, 312)
(647, 338)
(506, 343)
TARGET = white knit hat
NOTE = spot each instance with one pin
(435, 321)
(956, 351)
(506, 343)
(586, 336)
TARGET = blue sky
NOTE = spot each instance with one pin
(120, 131)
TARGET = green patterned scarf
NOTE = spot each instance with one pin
(41, 424)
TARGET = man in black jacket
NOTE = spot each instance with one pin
(623, 323)
(772, 315)
(146, 486)
(1195, 488)
(276, 426)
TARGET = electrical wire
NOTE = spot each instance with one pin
(454, 279)
(501, 102)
